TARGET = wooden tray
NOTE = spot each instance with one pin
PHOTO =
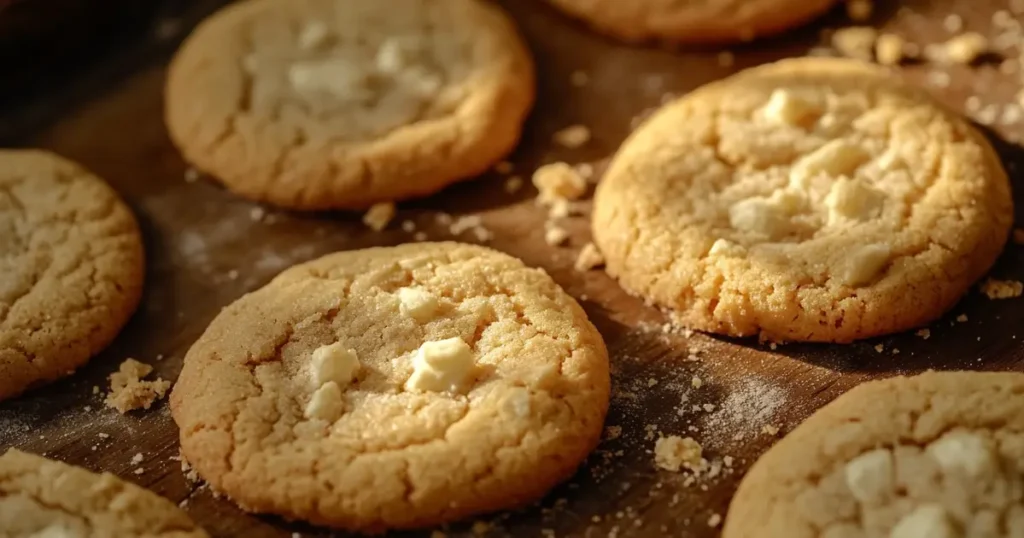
(205, 249)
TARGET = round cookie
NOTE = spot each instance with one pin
(811, 199)
(394, 387)
(701, 22)
(72, 264)
(45, 498)
(938, 455)
(340, 104)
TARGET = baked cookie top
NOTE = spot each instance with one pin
(810, 199)
(44, 498)
(937, 455)
(693, 21)
(71, 262)
(318, 104)
(394, 387)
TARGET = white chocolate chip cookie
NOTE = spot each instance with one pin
(41, 498)
(342, 104)
(938, 455)
(812, 199)
(394, 388)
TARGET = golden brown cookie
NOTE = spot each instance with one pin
(71, 262)
(41, 498)
(811, 199)
(693, 22)
(321, 104)
(938, 455)
(394, 388)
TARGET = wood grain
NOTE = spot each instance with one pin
(197, 236)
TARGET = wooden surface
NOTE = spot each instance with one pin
(198, 236)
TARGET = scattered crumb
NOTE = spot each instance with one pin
(1018, 236)
(924, 333)
(513, 184)
(965, 48)
(859, 10)
(953, 23)
(770, 430)
(579, 78)
(419, 236)
(471, 223)
(696, 382)
(612, 432)
(895, 351)
(137, 458)
(962, 318)
(709, 407)
(726, 58)
(573, 136)
(140, 470)
(379, 215)
(102, 435)
(879, 348)
(714, 520)
(95, 389)
(651, 382)
(191, 175)
(555, 236)
(504, 168)
(87, 408)
(232, 275)
(129, 392)
(674, 453)
(1002, 289)
(589, 258)
(559, 209)
(773, 346)
(855, 42)
(558, 181)
(889, 49)
(257, 213)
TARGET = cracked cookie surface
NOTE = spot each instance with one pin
(340, 104)
(41, 497)
(693, 21)
(938, 455)
(72, 264)
(809, 200)
(262, 421)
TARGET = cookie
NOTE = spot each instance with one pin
(72, 264)
(705, 22)
(46, 498)
(340, 104)
(937, 455)
(394, 387)
(812, 199)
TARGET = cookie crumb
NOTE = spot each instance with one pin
(965, 48)
(880, 348)
(855, 42)
(859, 10)
(674, 453)
(770, 430)
(559, 209)
(555, 236)
(191, 175)
(579, 78)
(612, 432)
(696, 382)
(504, 168)
(714, 521)
(572, 137)
(127, 390)
(379, 215)
(137, 458)
(953, 23)
(889, 49)
(558, 181)
(140, 470)
(257, 213)
(408, 226)
(419, 236)
(1002, 289)
(589, 258)
(924, 333)
(513, 184)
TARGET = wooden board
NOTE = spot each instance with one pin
(204, 249)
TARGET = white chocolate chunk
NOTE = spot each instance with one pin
(834, 159)
(442, 365)
(929, 521)
(334, 363)
(870, 476)
(786, 108)
(417, 303)
(770, 216)
(863, 264)
(726, 248)
(963, 452)
(313, 36)
(853, 199)
(326, 403)
(338, 78)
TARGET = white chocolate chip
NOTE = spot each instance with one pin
(336, 363)
(726, 248)
(870, 476)
(834, 159)
(853, 199)
(340, 79)
(963, 452)
(417, 303)
(863, 264)
(313, 36)
(771, 216)
(326, 403)
(786, 108)
(442, 365)
(929, 521)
